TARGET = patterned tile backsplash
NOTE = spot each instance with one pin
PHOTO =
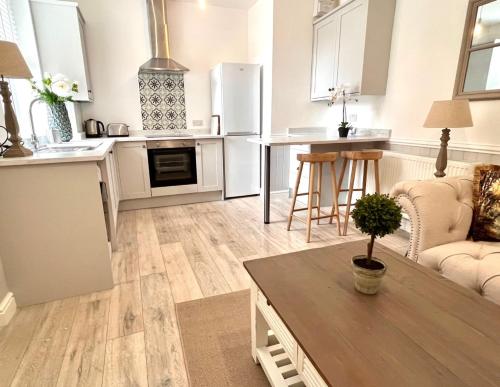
(163, 106)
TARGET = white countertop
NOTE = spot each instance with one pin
(99, 153)
(305, 139)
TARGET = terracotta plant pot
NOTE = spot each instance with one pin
(367, 278)
(343, 132)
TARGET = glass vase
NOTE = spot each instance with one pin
(59, 122)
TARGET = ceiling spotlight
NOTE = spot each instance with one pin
(202, 4)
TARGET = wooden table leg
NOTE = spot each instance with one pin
(259, 325)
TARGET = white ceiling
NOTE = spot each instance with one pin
(242, 4)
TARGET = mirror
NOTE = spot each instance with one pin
(478, 74)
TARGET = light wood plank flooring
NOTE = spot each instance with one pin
(128, 336)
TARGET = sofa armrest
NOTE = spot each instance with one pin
(440, 211)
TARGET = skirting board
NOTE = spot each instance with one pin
(7, 309)
(165, 201)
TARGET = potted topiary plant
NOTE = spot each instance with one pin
(376, 215)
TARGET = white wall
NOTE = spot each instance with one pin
(260, 50)
(292, 56)
(425, 49)
(118, 43)
(200, 39)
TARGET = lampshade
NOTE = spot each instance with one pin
(12, 64)
(449, 114)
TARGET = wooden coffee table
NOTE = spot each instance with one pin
(420, 330)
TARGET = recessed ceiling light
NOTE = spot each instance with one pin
(202, 3)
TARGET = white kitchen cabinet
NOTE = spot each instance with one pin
(352, 46)
(109, 178)
(59, 29)
(324, 58)
(132, 158)
(209, 165)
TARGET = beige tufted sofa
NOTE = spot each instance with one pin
(440, 214)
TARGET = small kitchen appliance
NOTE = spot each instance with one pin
(93, 128)
(117, 130)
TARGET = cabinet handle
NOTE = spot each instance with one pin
(198, 144)
(144, 146)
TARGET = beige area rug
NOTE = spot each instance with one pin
(215, 335)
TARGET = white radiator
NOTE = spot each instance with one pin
(396, 167)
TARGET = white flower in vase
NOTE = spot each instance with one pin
(344, 93)
(55, 91)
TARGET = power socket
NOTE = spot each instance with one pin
(353, 117)
(197, 122)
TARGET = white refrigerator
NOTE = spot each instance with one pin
(236, 114)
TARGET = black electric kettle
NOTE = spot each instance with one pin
(93, 128)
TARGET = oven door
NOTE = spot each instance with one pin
(173, 170)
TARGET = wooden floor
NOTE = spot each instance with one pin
(128, 336)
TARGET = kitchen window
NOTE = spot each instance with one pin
(22, 95)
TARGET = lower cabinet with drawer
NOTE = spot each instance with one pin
(274, 347)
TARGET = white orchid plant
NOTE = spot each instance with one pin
(342, 93)
(55, 88)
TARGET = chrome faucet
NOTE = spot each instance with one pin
(34, 138)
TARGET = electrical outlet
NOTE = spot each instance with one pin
(197, 122)
(353, 117)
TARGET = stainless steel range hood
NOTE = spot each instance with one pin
(158, 34)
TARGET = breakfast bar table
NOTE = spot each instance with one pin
(310, 326)
(338, 144)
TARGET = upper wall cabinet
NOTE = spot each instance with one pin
(59, 30)
(352, 46)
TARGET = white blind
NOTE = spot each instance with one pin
(7, 25)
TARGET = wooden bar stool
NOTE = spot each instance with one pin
(365, 155)
(314, 158)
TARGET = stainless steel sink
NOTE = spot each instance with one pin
(67, 148)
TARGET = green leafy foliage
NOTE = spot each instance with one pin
(377, 215)
(346, 125)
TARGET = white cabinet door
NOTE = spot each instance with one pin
(240, 88)
(114, 178)
(133, 168)
(324, 63)
(108, 174)
(209, 165)
(59, 29)
(241, 166)
(352, 21)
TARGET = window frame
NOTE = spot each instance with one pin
(465, 53)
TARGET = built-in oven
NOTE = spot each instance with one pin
(172, 167)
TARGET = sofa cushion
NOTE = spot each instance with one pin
(475, 265)
(486, 194)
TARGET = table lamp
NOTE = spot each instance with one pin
(447, 114)
(12, 65)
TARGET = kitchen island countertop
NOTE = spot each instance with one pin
(315, 139)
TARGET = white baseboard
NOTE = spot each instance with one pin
(7, 309)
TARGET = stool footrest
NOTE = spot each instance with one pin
(305, 208)
(307, 193)
(354, 190)
(314, 218)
